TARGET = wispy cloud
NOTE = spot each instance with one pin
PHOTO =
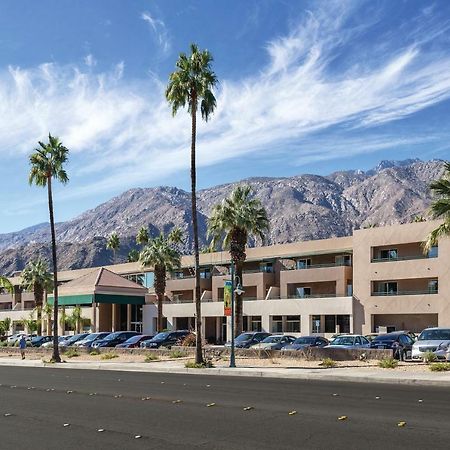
(122, 134)
(160, 31)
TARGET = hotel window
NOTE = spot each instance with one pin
(303, 292)
(343, 260)
(315, 324)
(388, 288)
(330, 324)
(349, 290)
(205, 273)
(433, 286)
(178, 274)
(256, 323)
(303, 263)
(433, 252)
(266, 267)
(389, 254)
(293, 324)
(277, 324)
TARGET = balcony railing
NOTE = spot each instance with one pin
(417, 292)
(319, 266)
(306, 296)
(403, 258)
(189, 277)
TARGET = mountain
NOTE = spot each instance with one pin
(300, 208)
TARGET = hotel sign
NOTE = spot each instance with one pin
(227, 298)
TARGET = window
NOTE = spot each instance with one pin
(330, 324)
(315, 324)
(303, 263)
(277, 324)
(349, 290)
(293, 324)
(205, 273)
(266, 267)
(389, 254)
(303, 292)
(433, 286)
(343, 260)
(178, 274)
(433, 252)
(388, 288)
(255, 324)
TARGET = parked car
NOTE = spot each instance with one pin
(135, 341)
(274, 342)
(248, 338)
(11, 340)
(72, 339)
(400, 342)
(49, 344)
(38, 341)
(349, 341)
(166, 339)
(90, 339)
(306, 342)
(113, 339)
(431, 340)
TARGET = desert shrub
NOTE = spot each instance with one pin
(176, 354)
(388, 363)
(440, 367)
(94, 352)
(149, 358)
(109, 355)
(328, 363)
(429, 357)
(71, 353)
(194, 365)
(189, 341)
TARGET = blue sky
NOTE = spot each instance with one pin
(305, 86)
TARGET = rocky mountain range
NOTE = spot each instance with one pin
(300, 208)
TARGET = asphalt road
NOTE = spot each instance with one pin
(35, 403)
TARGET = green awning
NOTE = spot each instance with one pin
(120, 299)
(72, 300)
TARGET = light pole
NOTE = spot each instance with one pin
(238, 290)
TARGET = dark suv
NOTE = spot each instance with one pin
(114, 339)
(399, 341)
(248, 338)
(166, 339)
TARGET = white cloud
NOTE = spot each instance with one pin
(90, 61)
(122, 133)
(159, 30)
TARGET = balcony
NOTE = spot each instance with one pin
(402, 252)
(417, 286)
(402, 258)
(320, 266)
(396, 293)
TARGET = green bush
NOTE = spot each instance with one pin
(429, 357)
(71, 353)
(149, 358)
(94, 352)
(440, 367)
(177, 354)
(3, 344)
(328, 363)
(110, 355)
(194, 365)
(388, 363)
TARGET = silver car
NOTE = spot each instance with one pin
(276, 342)
(436, 340)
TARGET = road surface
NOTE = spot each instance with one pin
(71, 409)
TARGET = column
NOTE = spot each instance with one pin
(113, 316)
(265, 323)
(128, 317)
(219, 329)
(305, 324)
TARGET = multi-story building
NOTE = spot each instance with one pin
(376, 279)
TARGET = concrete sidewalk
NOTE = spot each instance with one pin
(349, 374)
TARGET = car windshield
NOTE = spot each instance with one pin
(435, 335)
(161, 336)
(343, 340)
(136, 338)
(91, 337)
(272, 339)
(304, 340)
(76, 338)
(384, 339)
(244, 337)
(112, 336)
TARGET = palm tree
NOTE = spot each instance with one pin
(47, 163)
(161, 254)
(113, 243)
(47, 309)
(440, 208)
(232, 222)
(6, 284)
(37, 278)
(133, 255)
(191, 84)
(76, 319)
(142, 236)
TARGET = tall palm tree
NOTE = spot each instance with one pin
(37, 278)
(440, 208)
(133, 255)
(232, 222)
(142, 236)
(161, 254)
(47, 309)
(6, 284)
(113, 243)
(47, 163)
(191, 85)
(76, 319)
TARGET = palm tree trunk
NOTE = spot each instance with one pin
(239, 306)
(55, 357)
(160, 289)
(198, 307)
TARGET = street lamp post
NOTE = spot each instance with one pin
(232, 355)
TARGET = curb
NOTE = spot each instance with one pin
(244, 372)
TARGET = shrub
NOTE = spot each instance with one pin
(176, 354)
(71, 353)
(194, 365)
(388, 363)
(328, 363)
(440, 367)
(3, 344)
(149, 358)
(94, 352)
(429, 357)
(110, 355)
(189, 340)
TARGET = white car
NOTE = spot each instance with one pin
(15, 337)
(436, 340)
(275, 342)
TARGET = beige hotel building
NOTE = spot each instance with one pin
(378, 279)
